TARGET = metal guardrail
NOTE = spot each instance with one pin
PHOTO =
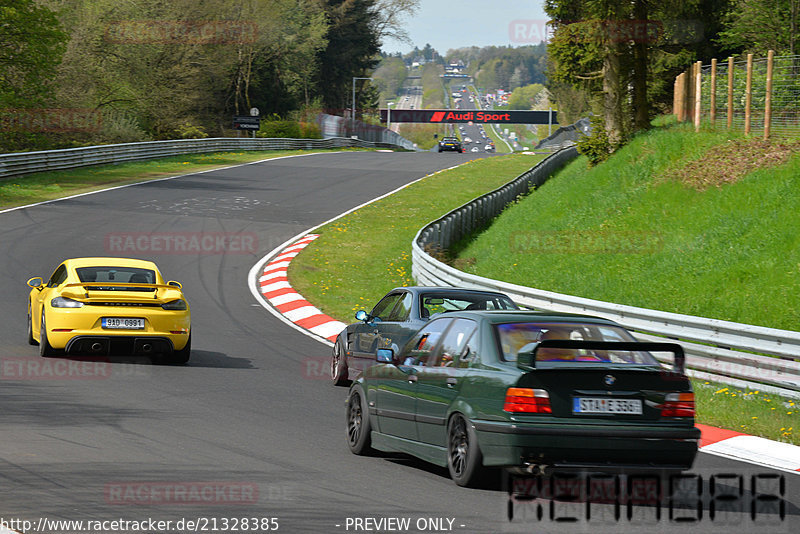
(719, 351)
(15, 164)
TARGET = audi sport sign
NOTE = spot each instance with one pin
(471, 115)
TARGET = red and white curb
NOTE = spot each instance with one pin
(753, 449)
(274, 285)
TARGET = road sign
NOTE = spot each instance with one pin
(246, 123)
(471, 116)
(254, 112)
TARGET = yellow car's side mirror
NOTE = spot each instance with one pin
(36, 282)
(174, 283)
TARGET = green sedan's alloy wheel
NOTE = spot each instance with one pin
(339, 373)
(463, 454)
(358, 426)
(45, 350)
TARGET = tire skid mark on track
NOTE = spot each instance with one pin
(274, 285)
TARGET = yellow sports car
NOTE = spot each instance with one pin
(108, 307)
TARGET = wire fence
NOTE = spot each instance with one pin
(755, 95)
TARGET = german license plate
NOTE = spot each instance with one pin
(123, 323)
(606, 405)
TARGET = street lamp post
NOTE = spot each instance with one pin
(389, 115)
(353, 110)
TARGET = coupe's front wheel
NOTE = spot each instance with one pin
(358, 425)
(464, 459)
(339, 373)
(45, 350)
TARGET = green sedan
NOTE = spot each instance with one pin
(529, 391)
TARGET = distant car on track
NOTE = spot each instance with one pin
(109, 307)
(396, 317)
(450, 144)
(528, 391)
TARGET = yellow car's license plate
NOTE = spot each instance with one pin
(123, 323)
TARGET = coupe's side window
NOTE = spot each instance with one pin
(58, 277)
(419, 349)
(403, 309)
(454, 342)
(384, 307)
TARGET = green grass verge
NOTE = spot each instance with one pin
(622, 232)
(747, 411)
(41, 186)
(361, 256)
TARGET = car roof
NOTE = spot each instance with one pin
(110, 262)
(446, 289)
(512, 316)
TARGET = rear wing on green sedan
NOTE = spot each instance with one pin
(597, 352)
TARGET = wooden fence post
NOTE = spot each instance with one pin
(713, 113)
(698, 94)
(730, 92)
(768, 101)
(748, 94)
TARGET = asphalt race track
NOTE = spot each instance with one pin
(251, 428)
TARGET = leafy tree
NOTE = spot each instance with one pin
(31, 45)
(526, 97)
(756, 26)
(352, 48)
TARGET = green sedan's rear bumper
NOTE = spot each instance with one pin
(519, 444)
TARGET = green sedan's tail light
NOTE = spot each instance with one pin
(527, 400)
(178, 305)
(64, 302)
(677, 405)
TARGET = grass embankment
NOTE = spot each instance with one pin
(665, 224)
(690, 223)
(361, 256)
(41, 186)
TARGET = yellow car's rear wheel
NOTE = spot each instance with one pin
(45, 350)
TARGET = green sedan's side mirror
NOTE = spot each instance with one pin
(384, 356)
(361, 315)
(36, 281)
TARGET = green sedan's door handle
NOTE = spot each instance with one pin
(412, 379)
(451, 382)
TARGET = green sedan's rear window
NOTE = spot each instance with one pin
(516, 337)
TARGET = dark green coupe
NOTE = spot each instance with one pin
(526, 390)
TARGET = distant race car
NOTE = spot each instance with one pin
(396, 317)
(450, 144)
(109, 307)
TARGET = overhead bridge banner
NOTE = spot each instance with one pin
(471, 115)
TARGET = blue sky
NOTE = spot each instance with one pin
(456, 23)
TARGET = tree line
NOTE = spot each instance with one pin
(618, 58)
(152, 69)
